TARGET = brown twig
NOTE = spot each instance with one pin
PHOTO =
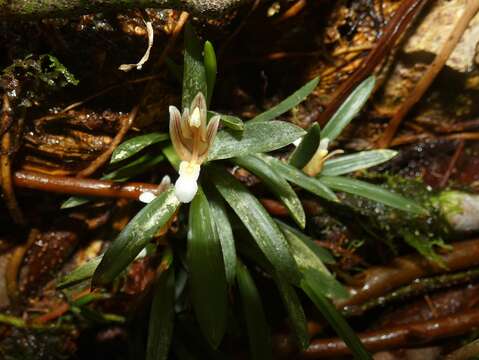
(14, 264)
(452, 164)
(5, 164)
(380, 280)
(394, 29)
(82, 187)
(293, 10)
(472, 7)
(400, 335)
(103, 158)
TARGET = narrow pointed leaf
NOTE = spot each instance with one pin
(225, 233)
(306, 148)
(258, 331)
(277, 184)
(135, 236)
(81, 273)
(337, 322)
(372, 192)
(134, 145)
(210, 69)
(296, 315)
(194, 74)
(256, 137)
(172, 156)
(287, 104)
(362, 160)
(349, 109)
(266, 233)
(312, 267)
(232, 122)
(162, 313)
(297, 177)
(207, 273)
(323, 254)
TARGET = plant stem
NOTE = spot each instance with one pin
(37, 9)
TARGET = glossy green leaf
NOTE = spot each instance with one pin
(277, 184)
(337, 321)
(287, 104)
(256, 137)
(194, 73)
(296, 316)
(372, 192)
(81, 273)
(134, 145)
(135, 236)
(126, 172)
(207, 272)
(349, 109)
(323, 254)
(306, 148)
(341, 165)
(232, 122)
(311, 265)
(162, 314)
(210, 69)
(172, 156)
(225, 233)
(297, 177)
(258, 331)
(266, 233)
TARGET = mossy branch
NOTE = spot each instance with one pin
(37, 9)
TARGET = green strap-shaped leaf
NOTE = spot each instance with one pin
(225, 233)
(295, 311)
(277, 184)
(372, 192)
(210, 69)
(207, 273)
(162, 314)
(341, 165)
(323, 254)
(134, 145)
(287, 104)
(232, 122)
(312, 267)
(258, 331)
(297, 177)
(81, 273)
(194, 74)
(337, 321)
(172, 156)
(306, 148)
(135, 236)
(255, 138)
(263, 229)
(349, 109)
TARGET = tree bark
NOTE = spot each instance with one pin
(37, 9)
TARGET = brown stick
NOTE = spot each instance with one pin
(432, 71)
(452, 164)
(380, 280)
(6, 167)
(401, 335)
(103, 158)
(394, 29)
(82, 187)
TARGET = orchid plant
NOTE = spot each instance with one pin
(219, 209)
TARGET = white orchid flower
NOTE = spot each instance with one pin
(192, 138)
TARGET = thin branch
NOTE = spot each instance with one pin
(393, 31)
(398, 336)
(432, 71)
